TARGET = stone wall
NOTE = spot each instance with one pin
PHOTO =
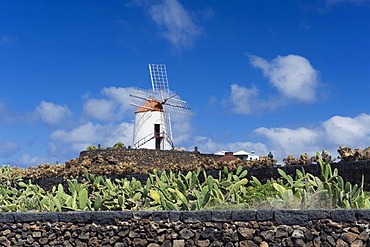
(187, 228)
(144, 156)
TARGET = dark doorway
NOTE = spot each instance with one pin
(157, 136)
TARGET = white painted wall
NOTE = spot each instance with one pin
(144, 127)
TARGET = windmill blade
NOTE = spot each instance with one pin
(159, 78)
(138, 97)
(170, 97)
(176, 100)
(178, 106)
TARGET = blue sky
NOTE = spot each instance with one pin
(280, 76)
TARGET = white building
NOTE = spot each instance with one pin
(241, 154)
(150, 128)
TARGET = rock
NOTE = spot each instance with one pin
(268, 235)
(153, 245)
(341, 243)
(120, 245)
(4, 241)
(36, 234)
(357, 243)
(264, 244)
(123, 233)
(133, 234)
(257, 239)
(281, 232)
(139, 242)
(167, 243)
(229, 244)
(210, 233)
(247, 233)
(80, 243)
(160, 238)
(178, 243)
(330, 240)
(288, 242)
(43, 241)
(189, 243)
(94, 241)
(299, 242)
(308, 235)
(6, 232)
(217, 244)
(67, 235)
(349, 237)
(297, 234)
(30, 239)
(317, 242)
(229, 235)
(172, 235)
(84, 236)
(67, 244)
(247, 243)
(364, 236)
(113, 239)
(186, 233)
(203, 243)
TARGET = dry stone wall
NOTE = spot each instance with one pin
(187, 228)
(144, 156)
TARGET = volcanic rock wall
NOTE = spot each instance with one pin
(144, 156)
(187, 228)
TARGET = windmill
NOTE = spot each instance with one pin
(152, 129)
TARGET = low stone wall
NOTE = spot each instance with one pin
(144, 156)
(187, 228)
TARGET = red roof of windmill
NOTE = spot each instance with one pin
(150, 104)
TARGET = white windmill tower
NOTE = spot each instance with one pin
(152, 129)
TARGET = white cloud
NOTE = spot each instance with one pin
(175, 23)
(292, 75)
(8, 148)
(114, 106)
(243, 99)
(330, 134)
(90, 133)
(100, 109)
(285, 141)
(51, 113)
(247, 101)
(348, 131)
(181, 128)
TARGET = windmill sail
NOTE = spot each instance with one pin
(159, 78)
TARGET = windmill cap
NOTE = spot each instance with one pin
(150, 104)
